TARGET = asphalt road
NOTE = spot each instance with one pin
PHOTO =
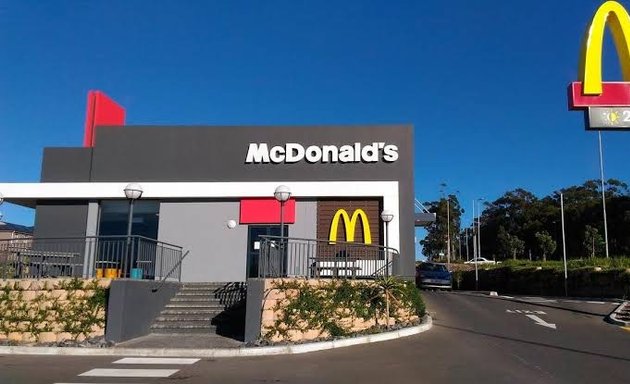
(474, 339)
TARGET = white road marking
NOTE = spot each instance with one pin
(596, 302)
(156, 360)
(572, 301)
(506, 297)
(538, 299)
(109, 372)
(542, 322)
(524, 311)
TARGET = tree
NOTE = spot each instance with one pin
(516, 211)
(593, 241)
(509, 245)
(435, 241)
(546, 244)
(517, 246)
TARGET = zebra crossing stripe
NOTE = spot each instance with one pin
(156, 360)
(111, 372)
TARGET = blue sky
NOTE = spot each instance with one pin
(483, 82)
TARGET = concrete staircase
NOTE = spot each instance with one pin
(202, 308)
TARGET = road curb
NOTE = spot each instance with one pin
(614, 316)
(427, 323)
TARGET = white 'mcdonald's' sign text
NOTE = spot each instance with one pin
(294, 152)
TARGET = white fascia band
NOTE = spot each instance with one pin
(388, 190)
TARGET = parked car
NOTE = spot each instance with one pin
(433, 275)
(480, 260)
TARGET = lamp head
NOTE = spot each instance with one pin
(387, 215)
(133, 191)
(282, 193)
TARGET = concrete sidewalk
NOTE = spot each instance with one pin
(195, 346)
(184, 340)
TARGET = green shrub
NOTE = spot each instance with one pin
(325, 307)
(77, 315)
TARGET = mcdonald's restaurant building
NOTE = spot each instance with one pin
(210, 189)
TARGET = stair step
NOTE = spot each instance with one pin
(194, 298)
(185, 317)
(194, 304)
(164, 331)
(209, 294)
(191, 310)
(184, 325)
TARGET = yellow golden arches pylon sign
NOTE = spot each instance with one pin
(591, 91)
(350, 224)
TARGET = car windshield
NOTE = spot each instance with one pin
(432, 267)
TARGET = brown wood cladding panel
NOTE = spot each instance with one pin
(326, 210)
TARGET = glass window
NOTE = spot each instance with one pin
(115, 213)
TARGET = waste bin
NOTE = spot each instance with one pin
(136, 273)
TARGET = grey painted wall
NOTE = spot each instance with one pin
(217, 253)
(305, 227)
(305, 220)
(133, 306)
(91, 229)
(254, 306)
(66, 164)
(60, 219)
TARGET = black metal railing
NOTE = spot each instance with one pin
(295, 257)
(92, 256)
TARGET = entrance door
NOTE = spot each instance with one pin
(253, 244)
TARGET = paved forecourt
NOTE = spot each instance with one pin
(473, 339)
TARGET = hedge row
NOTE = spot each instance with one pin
(581, 282)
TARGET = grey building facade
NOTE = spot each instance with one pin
(202, 185)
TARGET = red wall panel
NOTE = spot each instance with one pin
(101, 110)
(266, 210)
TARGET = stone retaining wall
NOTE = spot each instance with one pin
(49, 310)
(275, 299)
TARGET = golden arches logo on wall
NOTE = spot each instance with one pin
(350, 223)
(590, 90)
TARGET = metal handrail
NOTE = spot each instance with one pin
(132, 256)
(350, 243)
(178, 264)
(316, 258)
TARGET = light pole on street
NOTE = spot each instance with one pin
(564, 248)
(601, 174)
(448, 230)
(479, 226)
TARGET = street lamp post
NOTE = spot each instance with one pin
(387, 216)
(601, 174)
(479, 226)
(475, 246)
(133, 191)
(564, 247)
(448, 231)
(467, 249)
(282, 194)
